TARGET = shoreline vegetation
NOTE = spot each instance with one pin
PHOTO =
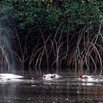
(54, 34)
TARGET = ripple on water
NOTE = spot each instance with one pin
(64, 90)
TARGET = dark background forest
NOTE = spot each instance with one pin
(55, 35)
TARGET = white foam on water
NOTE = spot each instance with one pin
(7, 77)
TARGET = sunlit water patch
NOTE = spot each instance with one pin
(62, 90)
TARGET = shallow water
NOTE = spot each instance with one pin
(63, 90)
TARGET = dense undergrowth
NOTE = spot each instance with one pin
(56, 34)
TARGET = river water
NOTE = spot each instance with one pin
(64, 90)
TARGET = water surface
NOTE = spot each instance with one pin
(63, 90)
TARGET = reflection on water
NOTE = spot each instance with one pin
(64, 90)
